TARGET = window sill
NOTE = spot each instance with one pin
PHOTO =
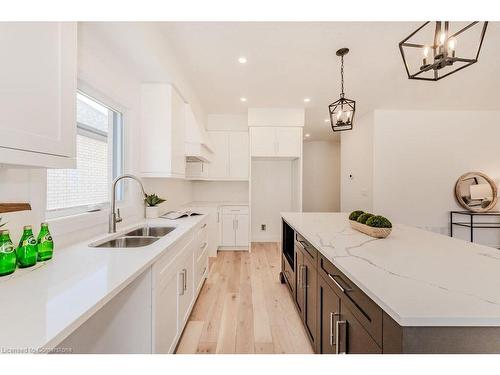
(89, 223)
(81, 221)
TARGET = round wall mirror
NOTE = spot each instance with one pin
(476, 192)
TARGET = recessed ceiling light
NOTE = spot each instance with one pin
(243, 99)
(307, 100)
(242, 60)
(308, 135)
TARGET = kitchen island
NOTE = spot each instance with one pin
(413, 292)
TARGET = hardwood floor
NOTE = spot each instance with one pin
(243, 308)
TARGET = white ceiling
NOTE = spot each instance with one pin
(288, 61)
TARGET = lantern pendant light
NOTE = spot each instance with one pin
(433, 59)
(342, 110)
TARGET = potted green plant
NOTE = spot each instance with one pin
(152, 202)
(373, 225)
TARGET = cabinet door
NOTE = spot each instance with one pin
(289, 141)
(263, 141)
(353, 338)
(238, 155)
(228, 230)
(185, 286)
(219, 166)
(178, 136)
(310, 308)
(328, 314)
(241, 236)
(38, 87)
(300, 286)
(165, 322)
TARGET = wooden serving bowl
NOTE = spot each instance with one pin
(370, 231)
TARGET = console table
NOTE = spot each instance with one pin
(469, 222)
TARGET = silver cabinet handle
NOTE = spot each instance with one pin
(304, 278)
(300, 277)
(204, 226)
(342, 289)
(203, 245)
(218, 216)
(185, 279)
(181, 292)
(337, 336)
(332, 322)
(237, 224)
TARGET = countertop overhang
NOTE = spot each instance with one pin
(418, 277)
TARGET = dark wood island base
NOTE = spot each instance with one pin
(341, 319)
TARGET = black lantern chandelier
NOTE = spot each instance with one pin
(434, 51)
(342, 110)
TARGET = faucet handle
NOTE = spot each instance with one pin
(118, 217)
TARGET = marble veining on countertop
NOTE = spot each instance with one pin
(419, 278)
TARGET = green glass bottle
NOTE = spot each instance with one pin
(27, 251)
(7, 254)
(45, 243)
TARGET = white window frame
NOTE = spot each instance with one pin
(117, 161)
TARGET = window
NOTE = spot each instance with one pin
(99, 159)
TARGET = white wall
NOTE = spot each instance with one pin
(220, 191)
(106, 70)
(227, 122)
(356, 172)
(271, 194)
(321, 176)
(418, 156)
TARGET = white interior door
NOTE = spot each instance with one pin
(238, 155)
(219, 166)
(263, 141)
(289, 141)
(241, 238)
(38, 87)
(228, 230)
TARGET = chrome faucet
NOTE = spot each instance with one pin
(114, 217)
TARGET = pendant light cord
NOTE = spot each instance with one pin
(342, 76)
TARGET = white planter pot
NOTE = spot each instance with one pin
(152, 212)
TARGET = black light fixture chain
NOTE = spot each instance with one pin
(342, 76)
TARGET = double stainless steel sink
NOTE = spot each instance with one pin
(139, 237)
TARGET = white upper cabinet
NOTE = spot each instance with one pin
(238, 155)
(276, 141)
(230, 156)
(162, 132)
(289, 142)
(219, 166)
(38, 93)
(263, 141)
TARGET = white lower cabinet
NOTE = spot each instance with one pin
(176, 284)
(185, 290)
(234, 226)
(165, 311)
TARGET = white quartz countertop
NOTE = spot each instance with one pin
(419, 278)
(42, 305)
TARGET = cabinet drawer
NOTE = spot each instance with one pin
(234, 210)
(289, 274)
(309, 251)
(367, 312)
(353, 338)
